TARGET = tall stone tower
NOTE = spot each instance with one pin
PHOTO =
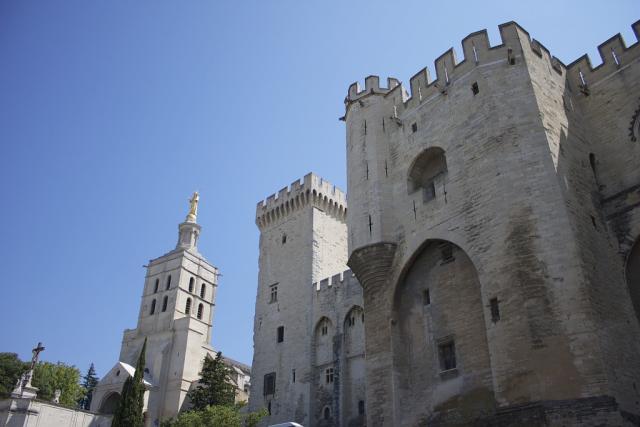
(303, 239)
(175, 317)
(492, 218)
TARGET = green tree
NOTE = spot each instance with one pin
(89, 382)
(11, 368)
(216, 416)
(129, 411)
(215, 386)
(49, 377)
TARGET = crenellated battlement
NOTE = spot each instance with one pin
(614, 54)
(312, 190)
(477, 52)
(345, 278)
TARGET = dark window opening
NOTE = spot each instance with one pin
(293, 375)
(274, 293)
(200, 310)
(474, 88)
(329, 375)
(327, 413)
(280, 333)
(153, 307)
(414, 127)
(155, 287)
(446, 251)
(447, 355)
(361, 407)
(191, 280)
(426, 297)
(203, 291)
(169, 282)
(429, 192)
(495, 310)
(269, 407)
(284, 239)
(165, 301)
(511, 57)
(270, 384)
(324, 329)
(187, 307)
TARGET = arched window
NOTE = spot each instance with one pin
(327, 413)
(203, 290)
(165, 300)
(168, 281)
(153, 307)
(155, 287)
(187, 307)
(427, 172)
(191, 280)
(200, 310)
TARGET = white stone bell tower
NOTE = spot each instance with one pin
(175, 316)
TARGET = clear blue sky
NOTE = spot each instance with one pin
(113, 112)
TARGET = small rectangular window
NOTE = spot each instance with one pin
(293, 375)
(414, 127)
(361, 407)
(446, 251)
(474, 88)
(274, 293)
(426, 297)
(495, 310)
(280, 333)
(329, 375)
(447, 355)
(429, 192)
(270, 383)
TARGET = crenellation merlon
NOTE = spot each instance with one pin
(312, 189)
(477, 51)
(344, 279)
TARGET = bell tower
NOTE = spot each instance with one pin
(176, 312)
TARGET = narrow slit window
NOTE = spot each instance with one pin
(191, 280)
(203, 291)
(169, 282)
(155, 287)
(414, 127)
(495, 309)
(474, 88)
(187, 306)
(280, 334)
(153, 307)
(165, 301)
(274, 293)
(426, 297)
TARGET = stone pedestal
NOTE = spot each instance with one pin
(24, 389)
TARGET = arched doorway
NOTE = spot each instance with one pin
(110, 403)
(633, 276)
(441, 355)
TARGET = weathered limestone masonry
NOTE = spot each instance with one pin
(306, 366)
(493, 222)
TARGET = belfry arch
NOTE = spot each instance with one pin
(439, 342)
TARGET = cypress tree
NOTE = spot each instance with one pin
(129, 411)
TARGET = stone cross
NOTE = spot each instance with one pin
(36, 352)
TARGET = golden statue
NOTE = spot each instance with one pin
(193, 207)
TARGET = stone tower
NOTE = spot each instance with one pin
(303, 239)
(175, 316)
(491, 214)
